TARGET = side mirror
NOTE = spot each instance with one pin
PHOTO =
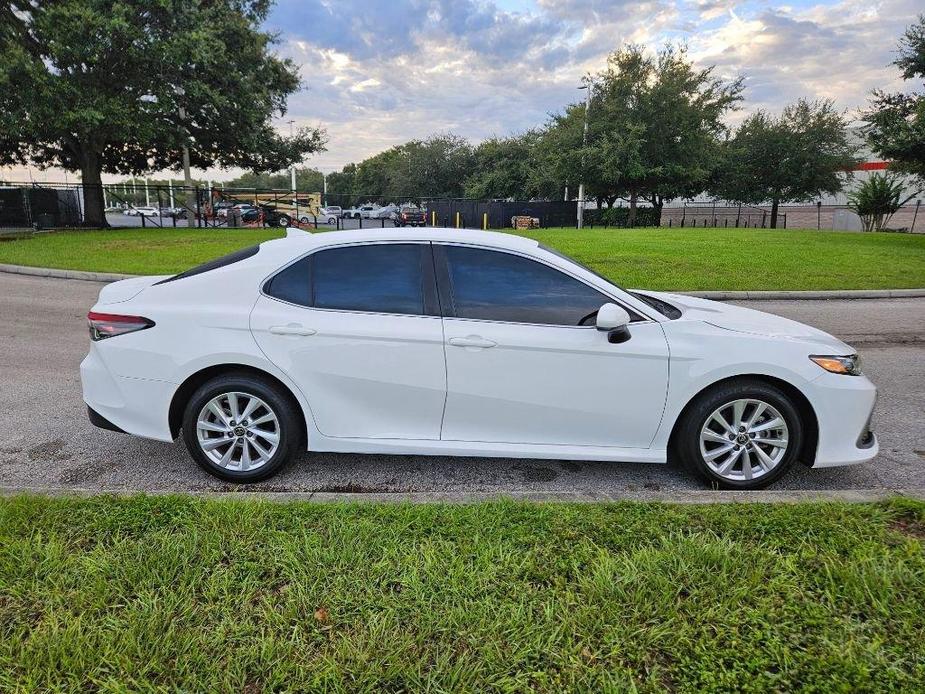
(614, 319)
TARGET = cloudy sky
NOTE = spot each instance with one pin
(379, 72)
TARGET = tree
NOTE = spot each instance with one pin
(896, 122)
(799, 156)
(98, 86)
(654, 128)
(306, 179)
(877, 199)
(341, 186)
(508, 168)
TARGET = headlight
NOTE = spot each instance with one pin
(849, 366)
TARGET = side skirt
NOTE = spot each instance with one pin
(487, 449)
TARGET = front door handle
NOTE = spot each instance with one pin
(292, 329)
(472, 341)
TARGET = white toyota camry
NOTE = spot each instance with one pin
(445, 342)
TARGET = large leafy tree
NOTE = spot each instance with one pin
(654, 127)
(896, 121)
(430, 168)
(508, 168)
(99, 85)
(804, 153)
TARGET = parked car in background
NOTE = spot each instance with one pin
(385, 212)
(363, 211)
(328, 215)
(142, 211)
(271, 216)
(411, 216)
(428, 342)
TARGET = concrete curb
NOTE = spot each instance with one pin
(716, 295)
(64, 274)
(679, 496)
(810, 294)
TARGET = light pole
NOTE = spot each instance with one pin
(584, 143)
(292, 168)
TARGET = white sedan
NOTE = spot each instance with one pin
(430, 341)
(142, 212)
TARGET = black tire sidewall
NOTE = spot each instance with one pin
(687, 443)
(282, 406)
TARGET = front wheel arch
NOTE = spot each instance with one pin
(182, 395)
(807, 453)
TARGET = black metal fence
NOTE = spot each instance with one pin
(497, 214)
(734, 216)
(30, 206)
(63, 205)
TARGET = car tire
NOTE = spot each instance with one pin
(283, 221)
(703, 445)
(271, 435)
(332, 220)
(304, 220)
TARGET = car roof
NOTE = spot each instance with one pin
(332, 238)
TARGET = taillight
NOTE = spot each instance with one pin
(103, 325)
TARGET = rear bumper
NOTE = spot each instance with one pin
(844, 406)
(98, 420)
(136, 406)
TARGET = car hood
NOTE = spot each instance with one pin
(123, 290)
(750, 321)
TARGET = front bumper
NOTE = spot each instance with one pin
(844, 407)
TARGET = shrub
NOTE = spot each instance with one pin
(877, 199)
(619, 217)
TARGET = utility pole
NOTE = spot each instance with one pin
(292, 168)
(584, 143)
(147, 194)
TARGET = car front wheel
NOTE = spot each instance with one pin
(743, 434)
(241, 428)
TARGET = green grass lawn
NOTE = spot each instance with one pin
(185, 594)
(683, 259)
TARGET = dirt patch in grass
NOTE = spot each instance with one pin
(910, 526)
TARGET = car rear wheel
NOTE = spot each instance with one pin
(744, 434)
(241, 428)
(283, 221)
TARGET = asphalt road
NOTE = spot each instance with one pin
(46, 441)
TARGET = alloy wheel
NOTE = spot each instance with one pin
(744, 440)
(238, 431)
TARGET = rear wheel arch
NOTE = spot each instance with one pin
(807, 453)
(186, 390)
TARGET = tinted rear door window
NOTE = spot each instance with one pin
(490, 285)
(380, 278)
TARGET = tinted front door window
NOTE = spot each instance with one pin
(489, 285)
(381, 278)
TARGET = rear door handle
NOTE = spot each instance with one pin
(472, 341)
(292, 329)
